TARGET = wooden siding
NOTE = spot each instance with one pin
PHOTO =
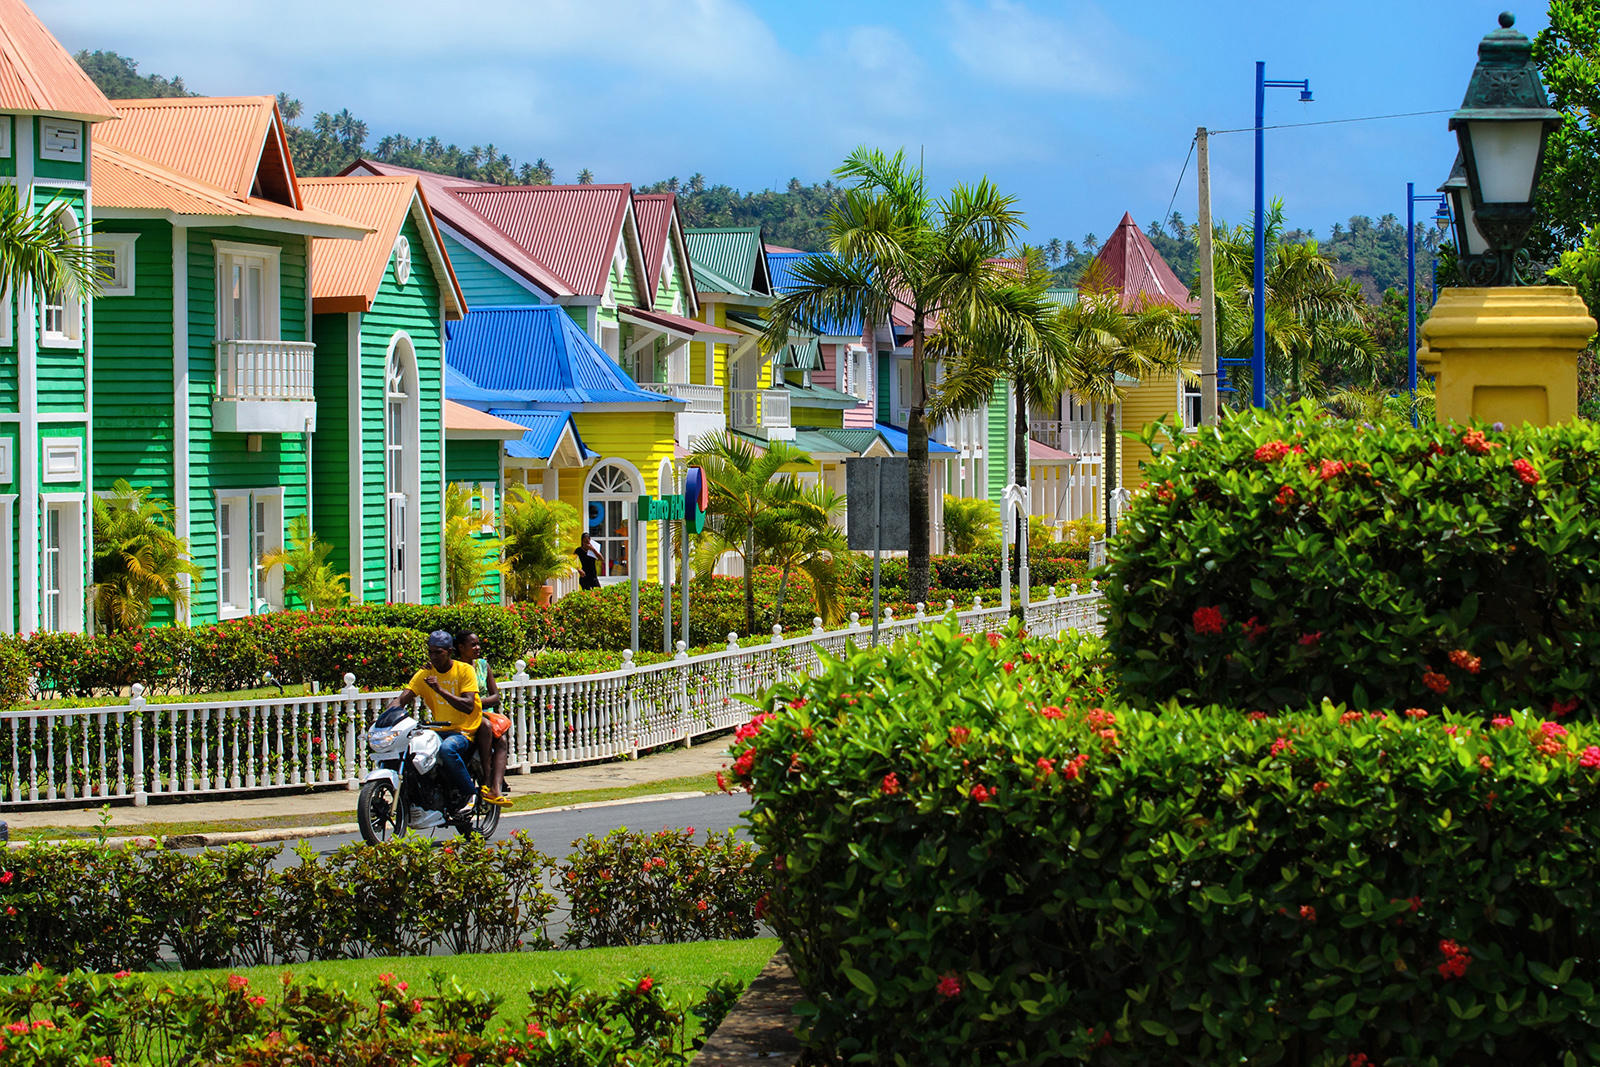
(997, 447)
(799, 416)
(1156, 397)
(133, 424)
(60, 384)
(330, 445)
(641, 438)
(483, 284)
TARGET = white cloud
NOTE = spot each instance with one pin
(1005, 42)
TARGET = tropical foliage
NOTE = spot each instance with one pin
(971, 524)
(1567, 53)
(307, 572)
(119, 78)
(536, 533)
(37, 254)
(470, 555)
(138, 558)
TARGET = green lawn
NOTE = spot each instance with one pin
(683, 971)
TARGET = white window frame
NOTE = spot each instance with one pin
(61, 140)
(407, 395)
(117, 248)
(71, 557)
(227, 252)
(71, 333)
(8, 539)
(6, 447)
(6, 123)
(627, 499)
(402, 260)
(860, 376)
(7, 314)
(67, 448)
(248, 541)
(1189, 401)
(485, 496)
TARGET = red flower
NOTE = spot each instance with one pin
(1281, 745)
(256, 1001)
(1590, 757)
(1359, 1059)
(1285, 496)
(891, 784)
(1046, 767)
(416, 1007)
(1008, 667)
(959, 735)
(982, 793)
(122, 974)
(949, 987)
(1350, 717)
(1477, 443)
(646, 984)
(1272, 451)
(1525, 472)
(1207, 620)
(742, 765)
(1466, 660)
(1332, 468)
(1253, 630)
(1559, 708)
(5, 879)
(536, 1032)
(1071, 770)
(1050, 711)
(1416, 713)
(722, 784)
(1319, 787)
(1310, 640)
(994, 640)
(1553, 729)
(762, 905)
(1500, 722)
(1456, 959)
(237, 981)
(1308, 913)
(1437, 682)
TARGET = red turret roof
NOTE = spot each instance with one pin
(1130, 264)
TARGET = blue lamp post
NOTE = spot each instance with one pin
(1441, 216)
(1258, 358)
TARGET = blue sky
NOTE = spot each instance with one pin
(1081, 110)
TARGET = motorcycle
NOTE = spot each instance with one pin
(406, 791)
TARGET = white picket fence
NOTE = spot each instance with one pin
(128, 753)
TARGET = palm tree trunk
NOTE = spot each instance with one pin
(783, 586)
(749, 581)
(1109, 480)
(917, 470)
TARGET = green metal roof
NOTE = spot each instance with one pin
(729, 260)
(823, 441)
(749, 321)
(804, 354)
(817, 396)
(852, 440)
(1063, 297)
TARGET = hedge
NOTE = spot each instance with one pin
(70, 906)
(89, 1020)
(380, 657)
(980, 857)
(1278, 560)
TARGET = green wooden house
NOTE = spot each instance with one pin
(379, 309)
(205, 372)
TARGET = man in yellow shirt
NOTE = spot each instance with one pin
(449, 690)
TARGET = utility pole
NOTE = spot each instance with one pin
(1208, 287)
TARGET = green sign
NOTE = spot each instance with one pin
(666, 509)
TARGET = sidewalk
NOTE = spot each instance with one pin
(339, 804)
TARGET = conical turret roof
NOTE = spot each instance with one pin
(38, 76)
(1130, 264)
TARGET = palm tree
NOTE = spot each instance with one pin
(1314, 319)
(746, 504)
(897, 248)
(469, 557)
(137, 558)
(586, 176)
(37, 254)
(307, 572)
(535, 531)
(970, 523)
(1053, 250)
(805, 537)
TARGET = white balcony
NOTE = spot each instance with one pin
(704, 413)
(762, 409)
(1082, 439)
(264, 387)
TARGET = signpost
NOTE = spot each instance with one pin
(667, 510)
(879, 515)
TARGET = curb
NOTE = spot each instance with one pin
(296, 833)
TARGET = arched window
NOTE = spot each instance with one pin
(400, 474)
(61, 316)
(610, 489)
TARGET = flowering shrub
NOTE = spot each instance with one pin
(87, 1020)
(1208, 886)
(109, 909)
(1437, 567)
(381, 657)
(15, 667)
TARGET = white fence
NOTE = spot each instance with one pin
(133, 751)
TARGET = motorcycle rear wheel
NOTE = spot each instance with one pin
(379, 813)
(481, 821)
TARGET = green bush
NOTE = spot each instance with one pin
(979, 859)
(1280, 560)
(504, 641)
(15, 670)
(380, 657)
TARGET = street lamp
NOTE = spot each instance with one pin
(1441, 216)
(1258, 358)
(1501, 127)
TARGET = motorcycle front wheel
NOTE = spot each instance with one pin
(379, 813)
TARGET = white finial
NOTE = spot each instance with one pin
(922, 610)
(733, 641)
(137, 690)
(816, 626)
(949, 605)
(683, 651)
(977, 602)
(522, 664)
(627, 659)
(1052, 592)
(888, 615)
(855, 619)
(349, 679)
(1074, 588)
(777, 633)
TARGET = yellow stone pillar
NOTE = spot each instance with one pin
(1507, 354)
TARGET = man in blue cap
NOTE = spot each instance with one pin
(449, 690)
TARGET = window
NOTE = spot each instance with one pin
(5, 460)
(116, 262)
(7, 338)
(5, 140)
(8, 619)
(611, 488)
(249, 527)
(61, 318)
(401, 476)
(61, 140)
(247, 292)
(61, 563)
(1191, 405)
(611, 341)
(860, 373)
(402, 259)
(63, 459)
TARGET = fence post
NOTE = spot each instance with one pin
(855, 620)
(949, 606)
(684, 717)
(633, 703)
(733, 642)
(816, 626)
(136, 705)
(777, 632)
(349, 693)
(977, 602)
(922, 612)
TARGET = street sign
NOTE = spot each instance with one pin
(864, 510)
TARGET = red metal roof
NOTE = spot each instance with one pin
(1133, 267)
(457, 215)
(38, 76)
(653, 213)
(571, 229)
(677, 323)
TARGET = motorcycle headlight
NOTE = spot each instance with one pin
(382, 739)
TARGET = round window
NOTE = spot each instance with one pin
(402, 260)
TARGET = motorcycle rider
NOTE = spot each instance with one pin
(449, 690)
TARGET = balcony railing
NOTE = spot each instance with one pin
(265, 370)
(1077, 438)
(705, 399)
(766, 409)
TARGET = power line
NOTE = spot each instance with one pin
(1179, 184)
(1335, 122)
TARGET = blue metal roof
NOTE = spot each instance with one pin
(784, 278)
(895, 438)
(545, 429)
(538, 355)
(460, 388)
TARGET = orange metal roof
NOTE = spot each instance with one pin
(459, 417)
(345, 275)
(123, 180)
(571, 229)
(38, 75)
(441, 190)
(224, 142)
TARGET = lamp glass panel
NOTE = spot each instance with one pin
(1507, 153)
(1466, 225)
